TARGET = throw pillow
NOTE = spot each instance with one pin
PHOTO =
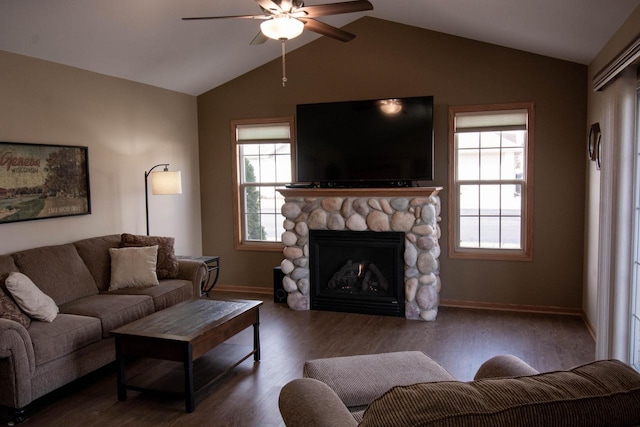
(30, 298)
(9, 310)
(167, 264)
(133, 267)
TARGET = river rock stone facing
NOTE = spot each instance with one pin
(417, 217)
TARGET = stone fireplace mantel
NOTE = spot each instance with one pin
(413, 210)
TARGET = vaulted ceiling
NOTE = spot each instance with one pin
(146, 40)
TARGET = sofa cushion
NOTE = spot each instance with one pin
(6, 266)
(95, 254)
(358, 380)
(601, 393)
(32, 300)
(112, 310)
(10, 310)
(133, 267)
(58, 271)
(167, 265)
(66, 334)
(166, 294)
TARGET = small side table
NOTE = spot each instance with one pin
(213, 264)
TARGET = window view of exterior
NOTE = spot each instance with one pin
(490, 173)
(263, 161)
(266, 167)
(490, 181)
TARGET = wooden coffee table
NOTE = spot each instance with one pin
(183, 333)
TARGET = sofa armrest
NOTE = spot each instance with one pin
(194, 271)
(311, 403)
(17, 364)
(503, 366)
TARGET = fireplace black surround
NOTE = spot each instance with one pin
(357, 272)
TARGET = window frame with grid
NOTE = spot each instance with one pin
(497, 121)
(257, 134)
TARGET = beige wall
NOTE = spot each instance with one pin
(393, 60)
(128, 127)
(597, 113)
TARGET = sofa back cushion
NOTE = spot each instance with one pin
(58, 271)
(602, 393)
(95, 254)
(6, 266)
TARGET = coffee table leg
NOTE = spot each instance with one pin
(122, 384)
(256, 337)
(189, 398)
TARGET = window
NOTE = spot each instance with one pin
(262, 153)
(491, 177)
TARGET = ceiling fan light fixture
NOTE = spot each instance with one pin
(282, 27)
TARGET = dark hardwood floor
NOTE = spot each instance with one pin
(460, 339)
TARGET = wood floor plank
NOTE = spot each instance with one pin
(460, 339)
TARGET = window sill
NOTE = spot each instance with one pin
(497, 255)
(260, 246)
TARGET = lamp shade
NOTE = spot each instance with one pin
(166, 182)
(282, 28)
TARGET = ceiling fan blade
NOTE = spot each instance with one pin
(335, 8)
(269, 5)
(327, 30)
(259, 39)
(227, 17)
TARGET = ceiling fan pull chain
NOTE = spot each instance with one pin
(284, 69)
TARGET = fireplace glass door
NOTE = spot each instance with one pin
(357, 271)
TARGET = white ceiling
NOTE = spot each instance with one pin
(146, 41)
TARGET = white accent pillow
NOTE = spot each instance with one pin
(30, 298)
(133, 267)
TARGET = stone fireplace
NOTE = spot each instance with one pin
(415, 212)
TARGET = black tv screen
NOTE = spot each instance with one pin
(356, 143)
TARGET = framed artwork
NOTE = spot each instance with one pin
(594, 140)
(43, 181)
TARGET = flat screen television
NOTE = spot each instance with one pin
(370, 143)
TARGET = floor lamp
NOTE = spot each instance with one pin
(162, 182)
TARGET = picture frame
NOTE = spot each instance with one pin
(39, 181)
(593, 141)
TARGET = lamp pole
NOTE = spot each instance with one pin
(146, 190)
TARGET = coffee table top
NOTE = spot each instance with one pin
(186, 320)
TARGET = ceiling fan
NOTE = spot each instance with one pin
(286, 19)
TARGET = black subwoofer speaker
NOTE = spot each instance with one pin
(279, 294)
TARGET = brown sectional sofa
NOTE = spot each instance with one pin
(410, 389)
(45, 356)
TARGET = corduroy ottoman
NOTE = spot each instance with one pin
(359, 380)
